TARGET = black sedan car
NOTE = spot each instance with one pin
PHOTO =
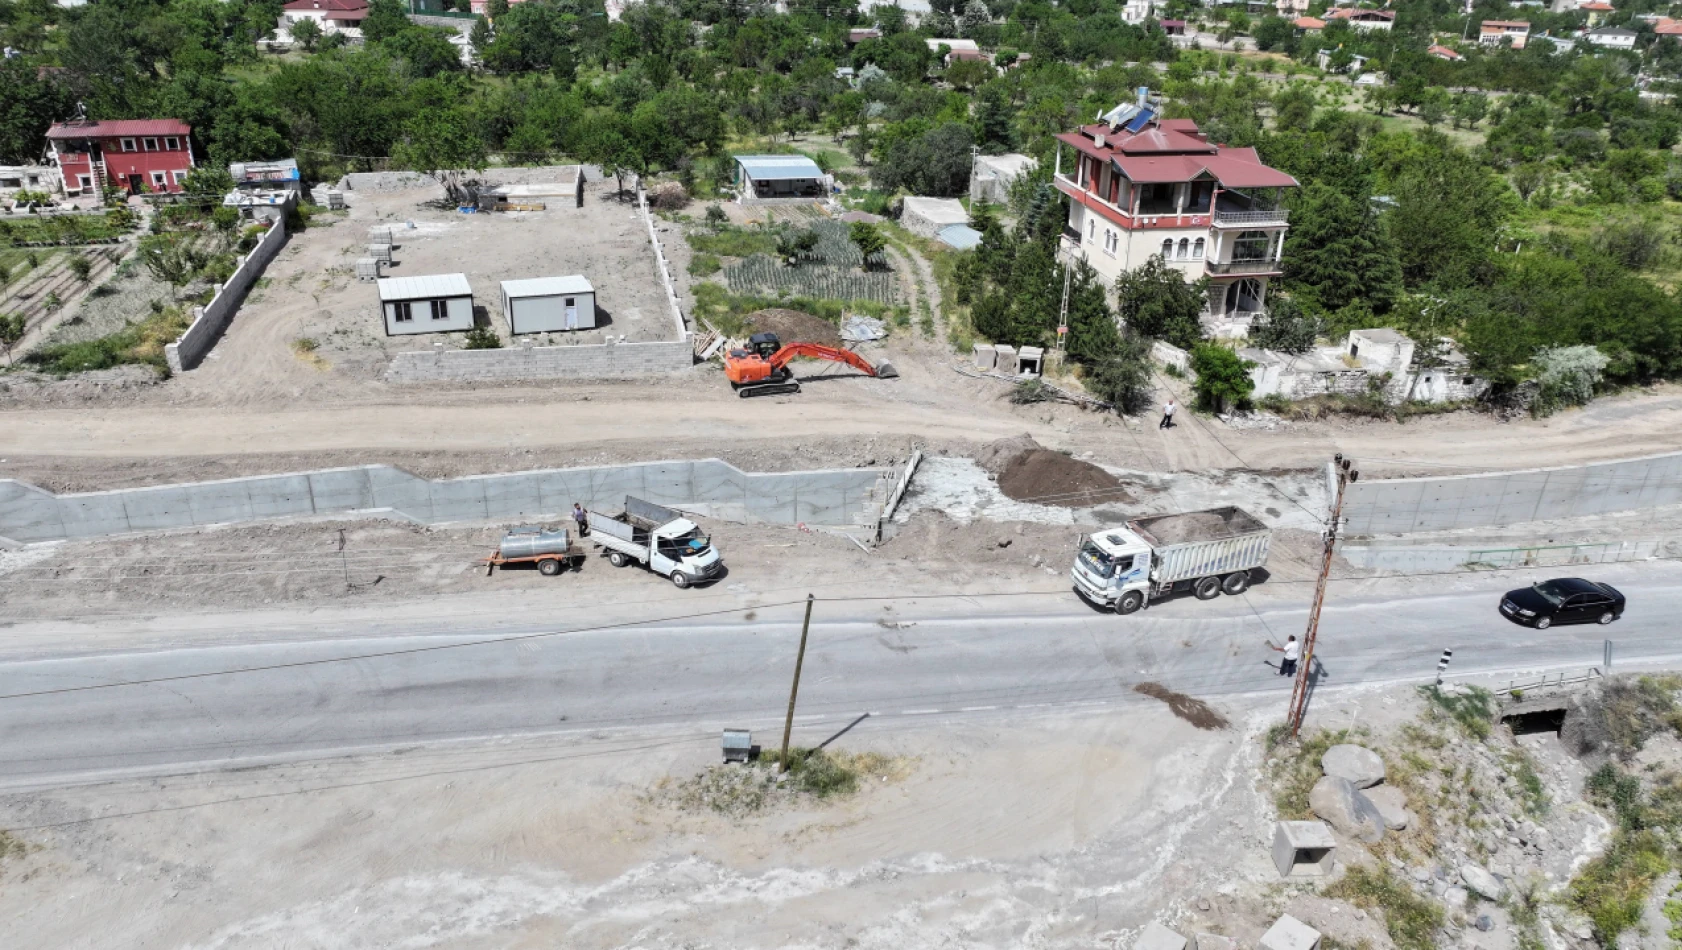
(1563, 600)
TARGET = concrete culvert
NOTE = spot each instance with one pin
(1535, 721)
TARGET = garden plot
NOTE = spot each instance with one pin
(833, 269)
(43, 284)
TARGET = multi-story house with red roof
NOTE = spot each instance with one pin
(1140, 186)
(135, 155)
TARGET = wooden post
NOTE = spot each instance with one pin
(794, 691)
(1299, 692)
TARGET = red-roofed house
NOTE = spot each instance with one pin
(1309, 24)
(1443, 52)
(1665, 26)
(1142, 187)
(1596, 9)
(1364, 19)
(132, 154)
(330, 15)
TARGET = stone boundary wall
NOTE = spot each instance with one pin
(660, 263)
(461, 24)
(1404, 505)
(211, 319)
(708, 487)
(584, 361)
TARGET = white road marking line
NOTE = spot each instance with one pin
(918, 712)
(978, 708)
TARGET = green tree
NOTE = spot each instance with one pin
(385, 19)
(1449, 211)
(83, 268)
(1155, 301)
(306, 33)
(12, 328)
(1287, 329)
(1223, 379)
(495, 8)
(1093, 336)
(481, 338)
(441, 139)
(1469, 108)
(427, 51)
(869, 242)
(1339, 251)
(935, 162)
(1123, 378)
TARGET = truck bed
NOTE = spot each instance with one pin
(1204, 543)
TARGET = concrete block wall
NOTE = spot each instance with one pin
(838, 498)
(211, 319)
(1404, 505)
(660, 262)
(590, 361)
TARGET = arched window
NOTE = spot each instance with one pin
(1168, 249)
(1197, 250)
(1185, 248)
(1251, 246)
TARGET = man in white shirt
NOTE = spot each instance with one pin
(1167, 415)
(1293, 652)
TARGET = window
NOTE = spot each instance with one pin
(1185, 248)
(1251, 246)
(128, 145)
(173, 144)
(1091, 230)
(440, 309)
(86, 181)
(402, 312)
(1197, 250)
(180, 178)
(571, 302)
(158, 180)
(1168, 249)
(1112, 240)
(151, 145)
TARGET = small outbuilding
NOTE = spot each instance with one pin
(928, 216)
(544, 304)
(436, 303)
(779, 177)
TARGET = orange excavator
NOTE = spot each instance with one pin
(762, 368)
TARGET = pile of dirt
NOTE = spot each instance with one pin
(1195, 711)
(793, 326)
(1029, 472)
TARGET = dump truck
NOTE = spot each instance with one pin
(658, 538)
(552, 551)
(1208, 552)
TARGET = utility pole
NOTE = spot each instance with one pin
(794, 691)
(1063, 313)
(1299, 692)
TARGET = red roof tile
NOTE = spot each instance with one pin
(1309, 23)
(1443, 52)
(111, 128)
(330, 6)
(1172, 152)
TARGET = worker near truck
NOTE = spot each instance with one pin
(1293, 652)
(582, 519)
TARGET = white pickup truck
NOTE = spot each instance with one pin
(660, 539)
(1210, 552)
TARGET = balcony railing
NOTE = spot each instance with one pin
(1244, 267)
(1276, 216)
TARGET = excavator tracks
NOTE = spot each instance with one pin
(768, 389)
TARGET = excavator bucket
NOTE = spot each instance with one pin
(885, 370)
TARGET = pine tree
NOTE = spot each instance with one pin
(1339, 252)
(1092, 327)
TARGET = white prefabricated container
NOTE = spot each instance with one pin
(548, 304)
(436, 303)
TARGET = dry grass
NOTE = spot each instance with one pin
(814, 774)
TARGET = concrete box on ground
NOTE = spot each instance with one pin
(1157, 937)
(380, 252)
(1004, 360)
(985, 356)
(1289, 933)
(1303, 848)
(369, 268)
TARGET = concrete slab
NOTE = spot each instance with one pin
(459, 499)
(1289, 933)
(29, 513)
(513, 495)
(220, 502)
(155, 509)
(396, 489)
(279, 496)
(341, 489)
(1157, 937)
(91, 515)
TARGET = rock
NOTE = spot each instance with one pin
(1203, 904)
(1455, 897)
(1157, 937)
(1360, 766)
(1004, 542)
(1289, 933)
(1439, 888)
(1420, 874)
(1579, 927)
(1337, 801)
(1213, 942)
(1483, 883)
(1392, 804)
(1485, 923)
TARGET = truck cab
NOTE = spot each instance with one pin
(1112, 569)
(680, 547)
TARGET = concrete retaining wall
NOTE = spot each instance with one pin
(1414, 559)
(211, 319)
(588, 361)
(838, 498)
(1401, 506)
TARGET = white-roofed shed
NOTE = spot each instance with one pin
(432, 303)
(545, 304)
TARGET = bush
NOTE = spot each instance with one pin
(482, 338)
(1568, 376)
(704, 265)
(1223, 379)
(1412, 920)
(81, 267)
(1612, 889)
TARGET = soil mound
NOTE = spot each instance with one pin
(793, 326)
(1195, 711)
(1029, 472)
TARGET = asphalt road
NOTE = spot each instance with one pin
(952, 657)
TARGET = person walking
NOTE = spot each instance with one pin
(1293, 652)
(1167, 415)
(581, 519)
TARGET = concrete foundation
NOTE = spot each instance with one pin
(842, 498)
(1303, 848)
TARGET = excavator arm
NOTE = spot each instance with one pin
(817, 351)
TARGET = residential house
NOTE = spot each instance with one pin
(137, 155)
(264, 190)
(332, 16)
(1137, 12)
(855, 37)
(1596, 9)
(435, 303)
(1611, 37)
(1665, 26)
(1443, 52)
(1309, 25)
(991, 176)
(1140, 186)
(1291, 8)
(1497, 32)
(1173, 27)
(1361, 19)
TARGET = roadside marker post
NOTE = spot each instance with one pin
(1442, 665)
(1607, 664)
